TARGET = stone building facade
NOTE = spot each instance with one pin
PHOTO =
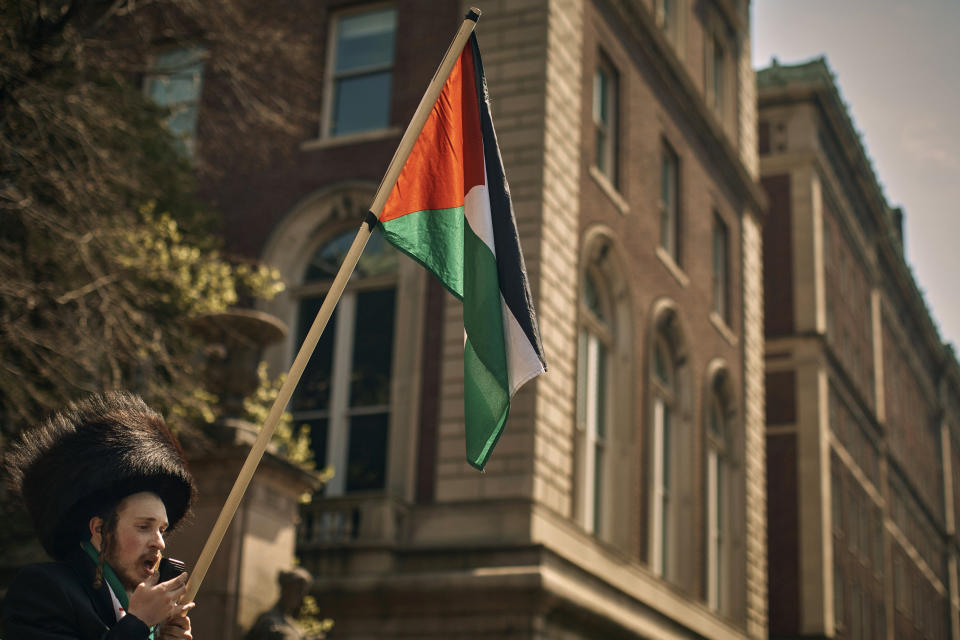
(626, 498)
(861, 392)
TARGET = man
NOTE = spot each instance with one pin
(103, 482)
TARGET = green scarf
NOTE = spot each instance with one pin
(111, 577)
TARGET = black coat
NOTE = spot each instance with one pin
(57, 601)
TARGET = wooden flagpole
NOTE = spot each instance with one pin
(329, 302)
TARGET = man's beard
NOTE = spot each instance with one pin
(131, 575)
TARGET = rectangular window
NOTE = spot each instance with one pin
(719, 63)
(360, 71)
(669, 202)
(716, 70)
(721, 268)
(605, 113)
(344, 394)
(175, 81)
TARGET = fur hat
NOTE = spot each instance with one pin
(83, 460)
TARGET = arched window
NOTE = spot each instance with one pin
(670, 491)
(344, 394)
(605, 469)
(719, 479)
(593, 400)
(664, 399)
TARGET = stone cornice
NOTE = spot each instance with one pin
(813, 82)
(648, 40)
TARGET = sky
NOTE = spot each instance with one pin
(897, 66)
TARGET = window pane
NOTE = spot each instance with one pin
(591, 298)
(720, 262)
(716, 418)
(605, 98)
(176, 76)
(367, 452)
(174, 88)
(326, 261)
(601, 119)
(182, 120)
(313, 391)
(601, 391)
(662, 363)
(601, 145)
(601, 105)
(366, 40)
(668, 202)
(362, 103)
(718, 62)
(721, 503)
(378, 258)
(318, 439)
(372, 349)
(175, 81)
(582, 380)
(665, 453)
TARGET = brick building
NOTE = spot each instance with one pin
(626, 497)
(862, 395)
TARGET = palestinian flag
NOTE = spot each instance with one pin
(450, 210)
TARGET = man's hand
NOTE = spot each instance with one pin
(154, 603)
(177, 627)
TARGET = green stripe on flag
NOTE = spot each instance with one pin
(443, 242)
(486, 384)
(482, 313)
(486, 404)
(434, 238)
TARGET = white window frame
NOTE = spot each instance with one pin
(593, 433)
(606, 125)
(330, 88)
(721, 267)
(719, 481)
(291, 246)
(595, 349)
(339, 411)
(669, 203)
(664, 406)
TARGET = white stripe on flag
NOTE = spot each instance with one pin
(523, 363)
(476, 208)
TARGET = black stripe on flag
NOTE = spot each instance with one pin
(511, 269)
